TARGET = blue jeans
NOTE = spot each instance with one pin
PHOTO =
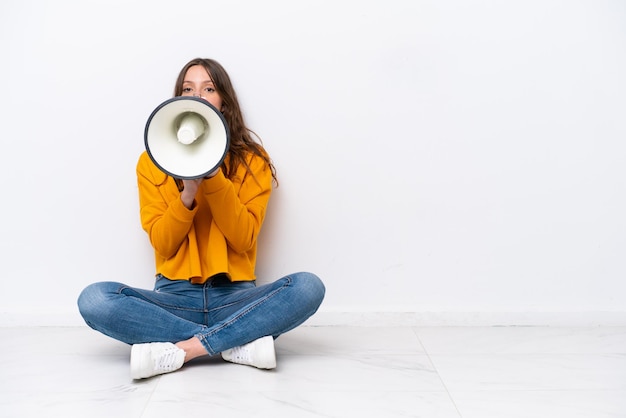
(222, 314)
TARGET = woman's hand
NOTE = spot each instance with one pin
(190, 188)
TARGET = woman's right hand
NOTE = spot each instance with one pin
(190, 188)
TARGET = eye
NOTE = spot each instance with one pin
(186, 89)
(209, 89)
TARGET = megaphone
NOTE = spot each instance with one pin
(186, 137)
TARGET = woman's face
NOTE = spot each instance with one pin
(197, 82)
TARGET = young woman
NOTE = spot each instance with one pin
(204, 234)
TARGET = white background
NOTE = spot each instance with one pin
(445, 159)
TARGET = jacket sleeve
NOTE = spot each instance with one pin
(238, 208)
(163, 215)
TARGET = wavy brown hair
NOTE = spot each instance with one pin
(242, 141)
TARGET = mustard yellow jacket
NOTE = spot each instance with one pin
(219, 235)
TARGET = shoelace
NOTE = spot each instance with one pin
(166, 361)
(240, 353)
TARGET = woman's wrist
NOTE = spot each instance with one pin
(188, 201)
(213, 173)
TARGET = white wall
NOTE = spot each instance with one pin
(455, 162)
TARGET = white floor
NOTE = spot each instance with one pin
(500, 372)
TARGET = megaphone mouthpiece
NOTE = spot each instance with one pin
(191, 127)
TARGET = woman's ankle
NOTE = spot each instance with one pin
(193, 348)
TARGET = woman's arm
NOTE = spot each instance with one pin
(163, 215)
(239, 214)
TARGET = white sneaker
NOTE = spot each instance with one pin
(147, 360)
(259, 353)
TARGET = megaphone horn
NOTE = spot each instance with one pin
(186, 137)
